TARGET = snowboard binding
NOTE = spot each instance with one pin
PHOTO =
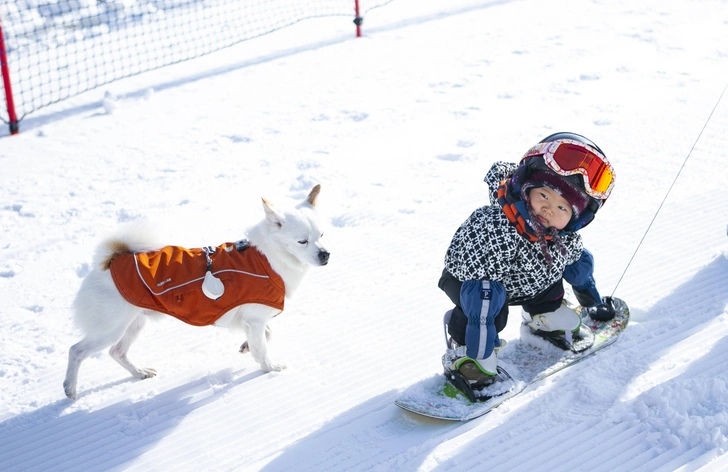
(457, 383)
(479, 393)
(580, 341)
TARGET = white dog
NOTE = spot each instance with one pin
(111, 315)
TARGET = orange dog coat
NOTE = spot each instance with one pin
(169, 281)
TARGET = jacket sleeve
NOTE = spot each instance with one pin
(574, 247)
(498, 172)
(580, 275)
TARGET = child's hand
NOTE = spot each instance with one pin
(604, 311)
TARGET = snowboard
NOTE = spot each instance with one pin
(522, 363)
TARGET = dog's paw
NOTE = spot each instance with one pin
(70, 390)
(146, 373)
(271, 367)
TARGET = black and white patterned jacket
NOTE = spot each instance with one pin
(488, 247)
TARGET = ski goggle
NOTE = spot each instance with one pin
(569, 157)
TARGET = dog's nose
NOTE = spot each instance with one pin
(323, 257)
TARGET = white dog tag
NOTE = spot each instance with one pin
(212, 287)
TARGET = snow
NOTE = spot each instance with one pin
(399, 128)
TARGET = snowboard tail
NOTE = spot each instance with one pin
(437, 398)
(443, 397)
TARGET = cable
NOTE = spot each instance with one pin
(669, 190)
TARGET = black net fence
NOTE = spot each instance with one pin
(57, 49)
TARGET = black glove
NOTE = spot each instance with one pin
(604, 311)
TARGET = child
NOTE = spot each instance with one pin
(519, 249)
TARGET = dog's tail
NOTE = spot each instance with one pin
(108, 250)
(131, 238)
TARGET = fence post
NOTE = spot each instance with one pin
(13, 119)
(358, 19)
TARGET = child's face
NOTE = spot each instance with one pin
(551, 209)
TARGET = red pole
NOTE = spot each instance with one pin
(358, 20)
(6, 83)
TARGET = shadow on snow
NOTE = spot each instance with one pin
(46, 439)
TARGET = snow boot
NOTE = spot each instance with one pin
(466, 373)
(562, 322)
(479, 373)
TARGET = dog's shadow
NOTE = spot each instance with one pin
(47, 439)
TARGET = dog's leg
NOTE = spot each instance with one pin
(259, 348)
(118, 351)
(254, 319)
(76, 355)
(244, 348)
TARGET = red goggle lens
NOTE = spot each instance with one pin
(567, 157)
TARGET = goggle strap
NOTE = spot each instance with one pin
(539, 149)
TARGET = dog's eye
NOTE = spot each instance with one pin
(303, 241)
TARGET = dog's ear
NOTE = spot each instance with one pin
(271, 214)
(313, 195)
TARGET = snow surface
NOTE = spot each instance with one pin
(399, 128)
